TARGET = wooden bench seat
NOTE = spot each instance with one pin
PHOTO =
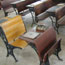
(22, 6)
(10, 31)
(19, 43)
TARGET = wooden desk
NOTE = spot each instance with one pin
(51, 11)
(29, 39)
(31, 8)
(20, 6)
(43, 43)
(15, 4)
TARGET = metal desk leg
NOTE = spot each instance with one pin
(47, 61)
(6, 13)
(15, 9)
(53, 22)
(56, 24)
(36, 19)
(33, 17)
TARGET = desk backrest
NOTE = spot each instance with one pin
(45, 41)
(6, 4)
(22, 6)
(60, 12)
(13, 28)
(40, 8)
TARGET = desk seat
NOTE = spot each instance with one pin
(19, 43)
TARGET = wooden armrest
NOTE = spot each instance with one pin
(51, 50)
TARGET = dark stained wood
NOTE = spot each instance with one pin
(44, 6)
(45, 44)
(60, 12)
(22, 5)
(6, 4)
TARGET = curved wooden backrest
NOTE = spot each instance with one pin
(60, 12)
(45, 41)
(22, 6)
(13, 28)
(6, 4)
(40, 8)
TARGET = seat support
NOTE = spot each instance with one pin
(47, 61)
(10, 52)
(8, 46)
(58, 50)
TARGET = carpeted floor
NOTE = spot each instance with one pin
(28, 56)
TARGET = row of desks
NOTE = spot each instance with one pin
(31, 7)
(15, 4)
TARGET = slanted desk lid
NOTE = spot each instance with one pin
(31, 35)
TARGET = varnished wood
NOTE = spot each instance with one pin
(19, 43)
(6, 4)
(22, 6)
(13, 28)
(42, 7)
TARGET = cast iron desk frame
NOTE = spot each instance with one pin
(31, 8)
(14, 5)
(32, 11)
